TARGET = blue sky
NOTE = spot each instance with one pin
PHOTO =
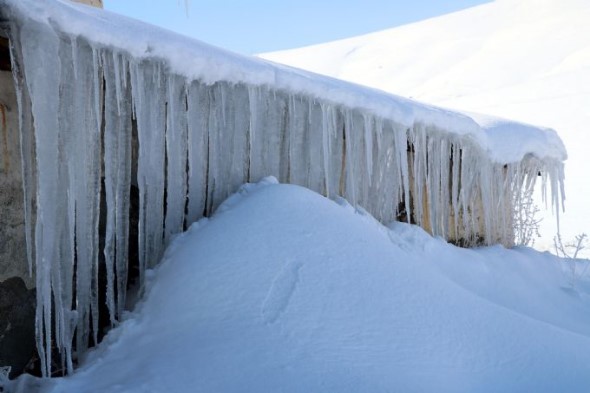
(258, 26)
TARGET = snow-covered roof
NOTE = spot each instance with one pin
(196, 60)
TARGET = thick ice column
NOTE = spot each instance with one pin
(419, 147)
(319, 146)
(117, 167)
(300, 127)
(333, 144)
(362, 173)
(229, 147)
(43, 87)
(198, 152)
(85, 184)
(382, 187)
(401, 176)
(350, 157)
(63, 273)
(268, 117)
(149, 90)
(455, 175)
(176, 153)
(123, 184)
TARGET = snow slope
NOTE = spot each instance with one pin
(527, 60)
(285, 290)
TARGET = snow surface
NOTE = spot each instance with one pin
(285, 290)
(527, 60)
(198, 61)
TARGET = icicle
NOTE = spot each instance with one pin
(445, 186)
(390, 198)
(382, 190)
(332, 127)
(117, 165)
(43, 83)
(198, 157)
(368, 126)
(117, 60)
(150, 107)
(419, 151)
(176, 153)
(455, 174)
(326, 150)
(403, 180)
(228, 141)
(268, 134)
(349, 158)
(85, 183)
(123, 186)
(63, 271)
(434, 186)
(215, 123)
(110, 177)
(235, 135)
(314, 150)
(299, 127)
(361, 184)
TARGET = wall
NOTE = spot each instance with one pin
(17, 299)
(12, 232)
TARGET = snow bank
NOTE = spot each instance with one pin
(285, 290)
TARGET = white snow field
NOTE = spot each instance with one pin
(284, 290)
(527, 60)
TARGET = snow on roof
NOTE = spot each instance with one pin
(510, 141)
(505, 141)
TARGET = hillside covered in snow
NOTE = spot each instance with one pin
(285, 290)
(527, 60)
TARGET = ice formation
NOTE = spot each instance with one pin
(117, 105)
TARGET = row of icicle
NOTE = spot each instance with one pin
(100, 115)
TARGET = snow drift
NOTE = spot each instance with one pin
(187, 124)
(285, 290)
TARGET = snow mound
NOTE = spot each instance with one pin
(285, 290)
